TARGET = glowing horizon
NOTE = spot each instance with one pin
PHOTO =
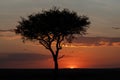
(100, 48)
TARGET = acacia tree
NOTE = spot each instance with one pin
(52, 26)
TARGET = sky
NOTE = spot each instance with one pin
(100, 48)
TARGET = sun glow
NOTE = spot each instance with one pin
(72, 67)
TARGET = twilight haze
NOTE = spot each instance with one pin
(100, 48)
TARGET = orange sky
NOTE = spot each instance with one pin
(100, 48)
(15, 54)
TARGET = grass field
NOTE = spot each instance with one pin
(63, 74)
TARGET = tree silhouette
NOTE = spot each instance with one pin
(51, 27)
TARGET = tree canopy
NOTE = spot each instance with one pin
(54, 25)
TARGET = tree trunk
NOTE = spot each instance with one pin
(55, 63)
(55, 67)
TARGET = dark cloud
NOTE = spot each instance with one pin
(116, 28)
(83, 41)
(8, 34)
(9, 30)
(21, 58)
(97, 41)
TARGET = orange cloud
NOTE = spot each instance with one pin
(80, 41)
(97, 41)
(8, 35)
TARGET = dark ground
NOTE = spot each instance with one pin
(64, 74)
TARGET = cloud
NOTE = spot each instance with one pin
(6, 33)
(9, 34)
(9, 30)
(80, 41)
(93, 41)
(97, 41)
(116, 28)
(21, 58)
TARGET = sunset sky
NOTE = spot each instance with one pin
(100, 48)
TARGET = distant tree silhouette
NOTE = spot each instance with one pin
(51, 27)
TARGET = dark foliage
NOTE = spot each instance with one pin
(50, 26)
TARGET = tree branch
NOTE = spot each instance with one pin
(44, 43)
